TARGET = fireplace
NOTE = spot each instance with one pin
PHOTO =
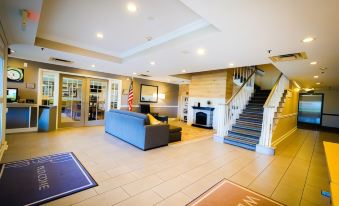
(203, 117)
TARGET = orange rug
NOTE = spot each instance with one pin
(227, 193)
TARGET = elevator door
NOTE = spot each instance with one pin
(310, 109)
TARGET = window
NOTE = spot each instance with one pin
(115, 94)
(48, 90)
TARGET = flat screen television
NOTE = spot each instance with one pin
(12, 95)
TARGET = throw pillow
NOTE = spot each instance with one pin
(153, 120)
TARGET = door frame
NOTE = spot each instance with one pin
(83, 99)
(321, 114)
(94, 122)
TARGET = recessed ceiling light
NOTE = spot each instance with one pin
(308, 39)
(231, 64)
(134, 73)
(131, 7)
(314, 63)
(100, 35)
(93, 65)
(316, 77)
(127, 79)
(318, 83)
(201, 51)
(152, 63)
(183, 71)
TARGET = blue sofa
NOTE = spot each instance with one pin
(135, 129)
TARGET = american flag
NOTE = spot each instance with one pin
(130, 96)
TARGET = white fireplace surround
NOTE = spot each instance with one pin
(193, 101)
(209, 116)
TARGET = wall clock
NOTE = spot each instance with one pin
(15, 75)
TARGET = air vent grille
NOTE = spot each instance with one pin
(289, 57)
(144, 75)
(54, 59)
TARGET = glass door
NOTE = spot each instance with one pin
(71, 101)
(310, 109)
(97, 101)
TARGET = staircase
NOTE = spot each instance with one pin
(246, 131)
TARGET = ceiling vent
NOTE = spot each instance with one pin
(289, 57)
(53, 59)
(144, 75)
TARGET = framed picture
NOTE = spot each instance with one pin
(15, 74)
(149, 93)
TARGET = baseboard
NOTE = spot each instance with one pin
(264, 150)
(217, 138)
(282, 138)
(3, 148)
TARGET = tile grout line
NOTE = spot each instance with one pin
(294, 156)
(309, 166)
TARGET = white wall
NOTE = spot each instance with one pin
(330, 107)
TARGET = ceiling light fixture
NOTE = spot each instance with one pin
(131, 7)
(93, 65)
(314, 63)
(201, 51)
(318, 83)
(316, 77)
(308, 39)
(100, 35)
(134, 73)
(183, 71)
(231, 64)
(152, 63)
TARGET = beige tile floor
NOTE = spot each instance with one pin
(176, 174)
(191, 133)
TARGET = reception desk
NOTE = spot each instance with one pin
(21, 118)
(332, 153)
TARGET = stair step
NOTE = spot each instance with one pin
(245, 133)
(251, 115)
(239, 144)
(247, 112)
(258, 124)
(247, 127)
(248, 119)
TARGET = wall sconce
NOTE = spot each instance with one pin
(162, 96)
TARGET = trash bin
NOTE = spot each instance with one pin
(47, 118)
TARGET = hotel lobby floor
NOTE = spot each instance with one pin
(176, 174)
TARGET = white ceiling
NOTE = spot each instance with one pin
(239, 32)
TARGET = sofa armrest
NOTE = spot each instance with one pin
(156, 135)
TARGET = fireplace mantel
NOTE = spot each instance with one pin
(204, 108)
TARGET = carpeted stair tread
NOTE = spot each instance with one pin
(243, 141)
(247, 133)
(240, 144)
(254, 124)
(247, 127)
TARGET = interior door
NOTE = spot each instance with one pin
(97, 94)
(71, 101)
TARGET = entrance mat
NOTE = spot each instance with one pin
(43, 179)
(227, 193)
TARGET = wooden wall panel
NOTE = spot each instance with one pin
(208, 84)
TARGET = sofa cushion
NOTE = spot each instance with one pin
(173, 129)
(153, 120)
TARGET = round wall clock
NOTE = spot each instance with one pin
(15, 75)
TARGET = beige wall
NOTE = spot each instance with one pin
(284, 126)
(330, 116)
(266, 82)
(208, 84)
(169, 106)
